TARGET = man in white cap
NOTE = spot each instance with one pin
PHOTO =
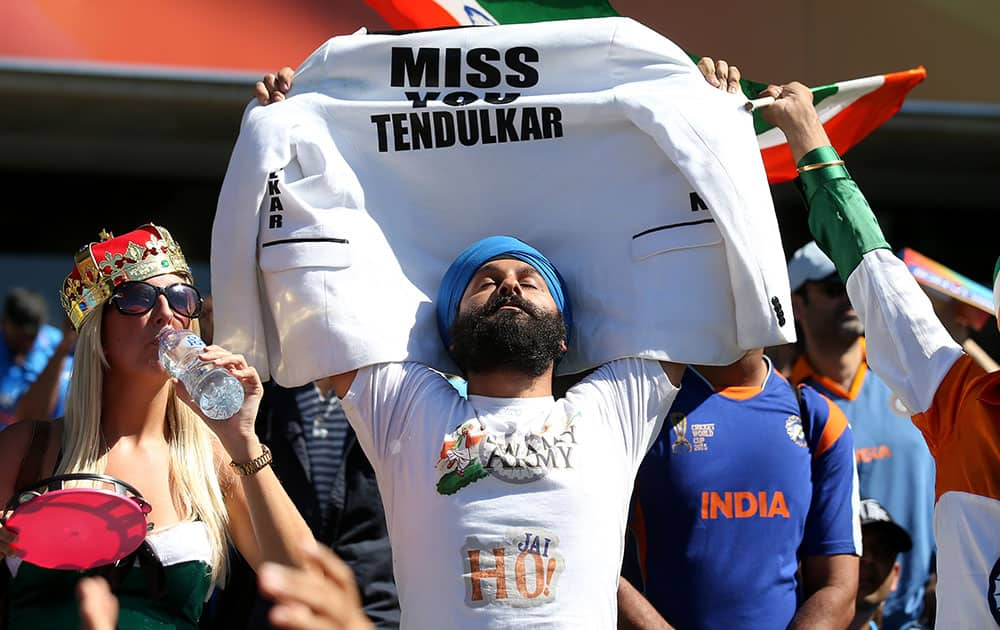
(883, 541)
(894, 464)
(954, 403)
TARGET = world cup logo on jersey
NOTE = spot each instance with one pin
(680, 423)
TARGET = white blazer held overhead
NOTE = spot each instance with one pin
(597, 141)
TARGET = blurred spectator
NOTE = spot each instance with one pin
(882, 540)
(895, 466)
(35, 360)
(322, 467)
(748, 477)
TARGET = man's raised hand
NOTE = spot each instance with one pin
(273, 87)
(793, 113)
(320, 596)
(719, 73)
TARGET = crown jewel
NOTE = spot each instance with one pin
(101, 266)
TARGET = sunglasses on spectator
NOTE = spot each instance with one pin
(138, 298)
(831, 288)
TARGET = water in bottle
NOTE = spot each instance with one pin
(213, 388)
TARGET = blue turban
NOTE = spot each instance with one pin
(457, 278)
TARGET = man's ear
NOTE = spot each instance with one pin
(895, 577)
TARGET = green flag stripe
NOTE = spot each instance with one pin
(523, 11)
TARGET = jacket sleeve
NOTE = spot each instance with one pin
(239, 323)
(907, 345)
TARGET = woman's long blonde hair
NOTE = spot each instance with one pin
(194, 478)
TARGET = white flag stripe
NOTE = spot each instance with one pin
(467, 12)
(848, 92)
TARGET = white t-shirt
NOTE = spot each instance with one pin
(507, 512)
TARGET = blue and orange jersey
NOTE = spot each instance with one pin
(895, 467)
(734, 490)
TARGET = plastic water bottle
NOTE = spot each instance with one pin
(217, 392)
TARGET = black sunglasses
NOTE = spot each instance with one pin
(138, 298)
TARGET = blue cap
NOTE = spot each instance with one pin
(809, 264)
(457, 278)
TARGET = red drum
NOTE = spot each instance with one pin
(75, 528)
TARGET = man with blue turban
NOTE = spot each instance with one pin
(530, 345)
(508, 507)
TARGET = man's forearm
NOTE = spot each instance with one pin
(831, 607)
(635, 611)
(805, 136)
(40, 399)
(830, 584)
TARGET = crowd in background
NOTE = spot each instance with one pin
(319, 461)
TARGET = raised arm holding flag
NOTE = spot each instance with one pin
(952, 400)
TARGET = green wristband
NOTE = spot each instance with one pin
(840, 218)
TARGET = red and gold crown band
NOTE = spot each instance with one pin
(102, 265)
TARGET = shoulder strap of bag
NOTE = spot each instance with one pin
(803, 413)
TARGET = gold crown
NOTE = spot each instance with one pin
(101, 266)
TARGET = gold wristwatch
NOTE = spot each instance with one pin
(254, 466)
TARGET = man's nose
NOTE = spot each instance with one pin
(510, 286)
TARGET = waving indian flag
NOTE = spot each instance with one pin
(850, 110)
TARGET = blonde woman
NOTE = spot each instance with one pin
(208, 481)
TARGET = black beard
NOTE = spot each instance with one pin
(486, 339)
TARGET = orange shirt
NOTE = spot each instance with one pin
(962, 429)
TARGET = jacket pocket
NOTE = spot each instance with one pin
(328, 252)
(676, 236)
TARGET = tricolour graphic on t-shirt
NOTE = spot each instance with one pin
(471, 452)
(520, 570)
(458, 462)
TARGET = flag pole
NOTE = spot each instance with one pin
(757, 103)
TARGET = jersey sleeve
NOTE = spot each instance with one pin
(833, 525)
(633, 393)
(907, 345)
(384, 398)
